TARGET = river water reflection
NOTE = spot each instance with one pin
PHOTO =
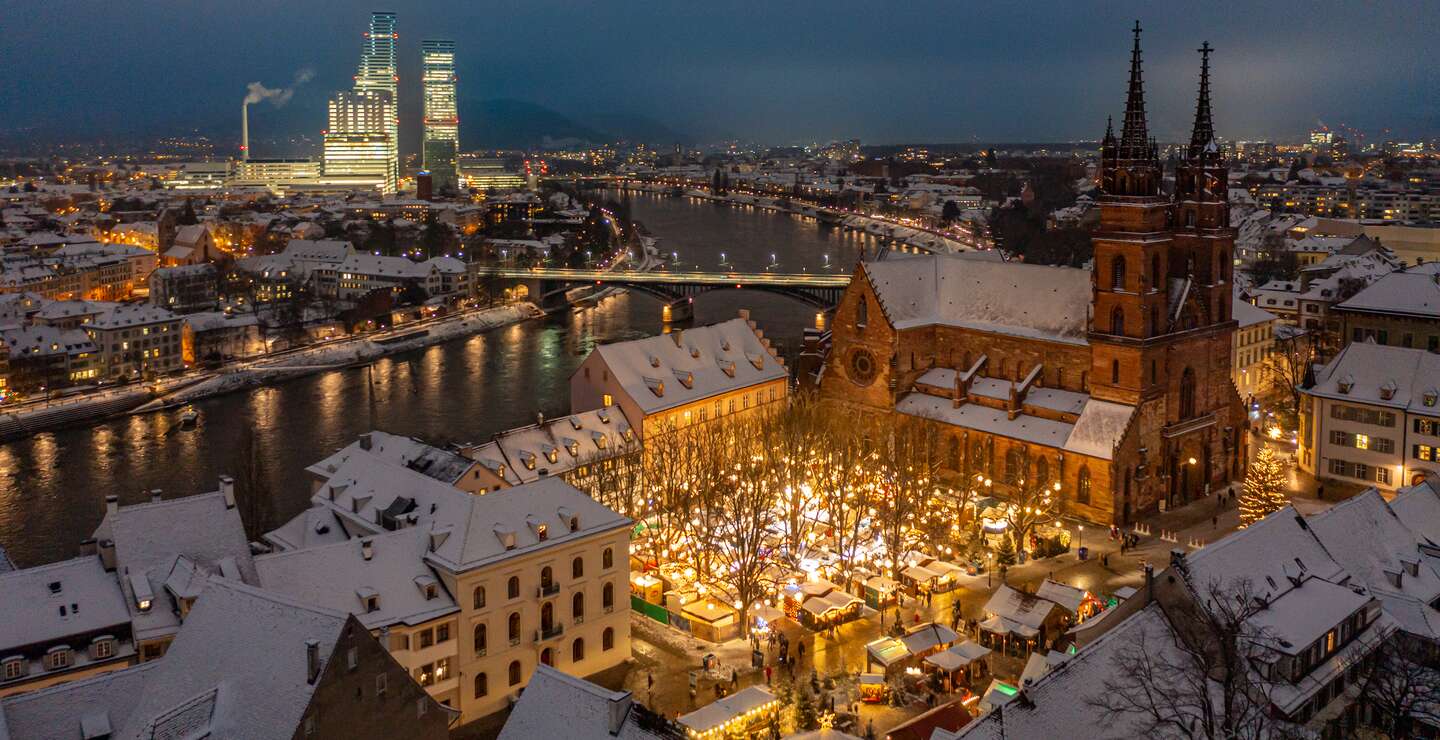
(53, 485)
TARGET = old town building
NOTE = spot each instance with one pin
(1114, 382)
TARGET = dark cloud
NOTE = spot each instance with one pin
(774, 71)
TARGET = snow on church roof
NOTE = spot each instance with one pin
(1036, 301)
(1095, 433)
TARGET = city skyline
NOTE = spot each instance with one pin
(775, 75)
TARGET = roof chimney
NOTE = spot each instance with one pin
(365, 441)
(540, 418)
(155, 495)
(312, 661)
(367, 548)
(227, 490)
(112, 505)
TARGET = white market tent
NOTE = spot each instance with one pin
(735, 706)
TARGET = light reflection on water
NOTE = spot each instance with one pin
(53, 485)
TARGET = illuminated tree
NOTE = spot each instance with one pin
(1032, 503)
(907, 459)
(1264, 489)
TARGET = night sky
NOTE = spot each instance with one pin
(778, 72)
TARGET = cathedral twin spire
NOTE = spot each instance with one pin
(1130, 158)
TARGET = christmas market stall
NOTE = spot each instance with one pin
(819, 604)
(881, 592)
(960, 664)
(887, 653)
(1016, 622)
(1078, 603)
(704, 617)
(998, 694)
(873, 688)
(736, 715)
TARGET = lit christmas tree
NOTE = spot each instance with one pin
(1264, 490)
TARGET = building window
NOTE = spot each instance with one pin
(607, 400)
(104, 648)
(1424, 452)
(442, 632)
(14, 668)
(1117, 272)
(577, 650)
(482, 685)
(425, 675)
(480, 639)
(512, 587)
(479, 597)
(577, 607)
(514, 628)
(1427, 426)
(1117, 321)
(577, 567)
(1187, 393)
(57, 658)
(607, 559)
(1382, 475)
(1082, 486)
(427, 638)
(607, 597)
(607, 639)
(862, 313)
(514, 673)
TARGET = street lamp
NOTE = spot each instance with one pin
(1082, 534)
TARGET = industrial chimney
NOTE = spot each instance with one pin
(245, 131)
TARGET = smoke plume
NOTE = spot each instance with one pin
(256, 92)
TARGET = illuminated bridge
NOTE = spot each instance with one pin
(677, 289)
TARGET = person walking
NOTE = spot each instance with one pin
(767, 675)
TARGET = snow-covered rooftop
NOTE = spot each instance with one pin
(682, 367)
(1381, 375)
(558, 705)
(49, 602)
(1014, 298)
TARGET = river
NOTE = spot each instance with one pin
(53, 485)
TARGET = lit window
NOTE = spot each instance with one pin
(1362, 441)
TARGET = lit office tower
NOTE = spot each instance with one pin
(358, 149)
(442, 121)
(378, 74)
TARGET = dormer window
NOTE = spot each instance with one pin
(728, 368)
(102, 648)
(369, 599)
(528, 458)
(58, 657)
(656, 386)
(552, 454)
(686, 379)
(572, 447)
(575, 423)
(428, 587)
(13, 667)
(1346, 383)
(603, 415)
(654, 361)
(601, 441)
(1387, 391)
(506, 536)
(1430, 397)
(542, 532)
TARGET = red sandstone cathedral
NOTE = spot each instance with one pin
(1114, 382)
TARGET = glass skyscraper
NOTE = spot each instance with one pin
(442, 122)
(363, 139)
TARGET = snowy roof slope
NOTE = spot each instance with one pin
(246, 646)
(1006, 297)
(558, 705)
(1413, 292)
(1095, 433)
(333, 576)
(56, 712)
(1373, 370)
(710, 360)
(32, 600)
(1266, 553)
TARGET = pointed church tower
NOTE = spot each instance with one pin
(1132, 256)
(1203, 236)
(1160, 334)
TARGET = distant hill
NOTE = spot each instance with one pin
(504, 123)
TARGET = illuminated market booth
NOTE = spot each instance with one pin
(1016, 622)
(904, 654)
(820, 604)
(960, 664)
(736, 715)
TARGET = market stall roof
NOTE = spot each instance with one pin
(1019, 607)
(1068, 597)
(881, 583)
(871, 678)
(707, 610)
(999, 625)
(714, 715)
(927, 636)
(887, 651)
(944, 568)
(919, 573)
(998, 694)
(947, 661)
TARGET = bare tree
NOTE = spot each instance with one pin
(792, 438)
(743, 539)
(1194, 679)
(907, 462)
(1285, 371)
(1400, 691)
(1031, 503)
(837, 471)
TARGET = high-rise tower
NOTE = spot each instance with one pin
(442, 122)
(378, 74)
